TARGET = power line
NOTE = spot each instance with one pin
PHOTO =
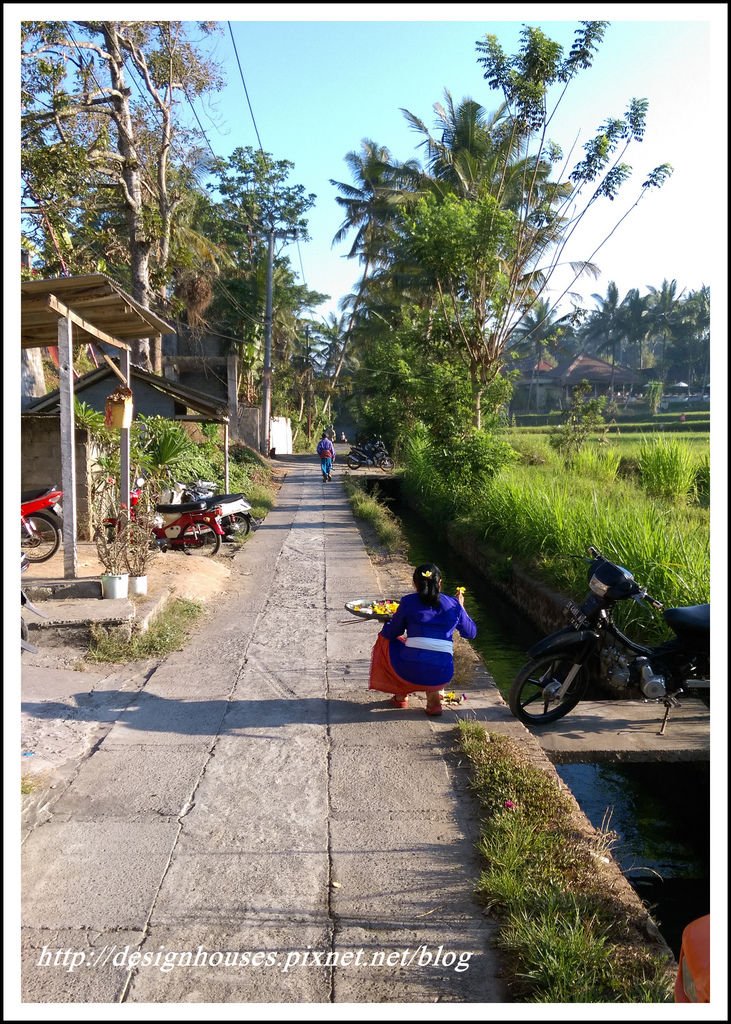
(246, 91)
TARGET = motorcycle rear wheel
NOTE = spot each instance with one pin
(353, 463)
(43, 540)
(237, 524)
(200, 539)
(526, 698)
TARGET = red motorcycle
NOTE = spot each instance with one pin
(192, 527)
(41, 522)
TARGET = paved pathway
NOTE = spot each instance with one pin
(256, 827)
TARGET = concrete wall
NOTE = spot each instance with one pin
(40, 461)
(148, 401)
(248, 427)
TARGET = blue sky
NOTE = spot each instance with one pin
(317, 88)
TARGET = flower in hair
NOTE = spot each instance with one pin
(426, 575)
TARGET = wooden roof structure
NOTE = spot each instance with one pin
(99, 308)
(92, 306)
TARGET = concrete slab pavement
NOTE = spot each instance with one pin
(255, 825)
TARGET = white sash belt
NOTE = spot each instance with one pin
(425, 643)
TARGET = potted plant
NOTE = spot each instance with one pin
(140, 548)
(109, 532)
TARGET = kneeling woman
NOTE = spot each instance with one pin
(422, 660)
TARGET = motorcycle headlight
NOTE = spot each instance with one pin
(612, 581)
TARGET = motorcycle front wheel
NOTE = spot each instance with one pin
(200, 539)
(531, 698)
(386, 463)
(40, 537)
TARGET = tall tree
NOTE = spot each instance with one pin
(100, 99)
(664, 317)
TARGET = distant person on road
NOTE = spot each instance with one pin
(343, 438)
(326, 451)
(423, 659)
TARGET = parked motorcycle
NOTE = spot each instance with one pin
(192, 527)
(25, 602)
(236, 517)
(41, 523)
(371, 453)
(563, 664)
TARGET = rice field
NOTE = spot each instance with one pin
(652, 518)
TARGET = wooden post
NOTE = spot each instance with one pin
(68, 445)
(124, 365)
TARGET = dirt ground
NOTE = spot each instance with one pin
(191, 577)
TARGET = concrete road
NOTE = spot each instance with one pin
(252, 824)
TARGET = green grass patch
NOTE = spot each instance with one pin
(369, 509)
(167, 633)
(567, 936)
(667, 468)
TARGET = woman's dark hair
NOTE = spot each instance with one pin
(427, 579)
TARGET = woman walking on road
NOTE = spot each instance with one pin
(423, 660)
(326, 451)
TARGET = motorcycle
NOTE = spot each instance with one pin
(41, 523)
(236, 517)
(372, 453)
(25, 602)
(563, 664)
(192, 527)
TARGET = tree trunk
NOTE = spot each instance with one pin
(32, 378)
(140, 244)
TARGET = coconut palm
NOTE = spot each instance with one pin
(604, 329)
(664, 315)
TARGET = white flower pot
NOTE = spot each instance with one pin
(115, 587)
(137, 585)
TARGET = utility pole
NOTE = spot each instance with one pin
(266, 403)
(308, 371)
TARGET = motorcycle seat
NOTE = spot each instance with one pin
(188, 506)
(216, 499)
(694, 619)
(38, 492)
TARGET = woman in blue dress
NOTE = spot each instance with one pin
(414, 650)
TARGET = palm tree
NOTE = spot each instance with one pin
(604, 330)
(664, 316)
(370, 205)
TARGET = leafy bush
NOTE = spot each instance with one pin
(583, 418)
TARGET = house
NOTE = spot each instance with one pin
(551, 388)
(152, 396)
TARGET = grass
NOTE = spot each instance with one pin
(568, 937)
(167, 633)
(667, 468)
(368, 508)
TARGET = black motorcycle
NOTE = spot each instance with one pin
(592, 646)
(370, 453)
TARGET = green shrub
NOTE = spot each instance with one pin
(667, 468)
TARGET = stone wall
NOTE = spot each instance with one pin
(40, 461)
